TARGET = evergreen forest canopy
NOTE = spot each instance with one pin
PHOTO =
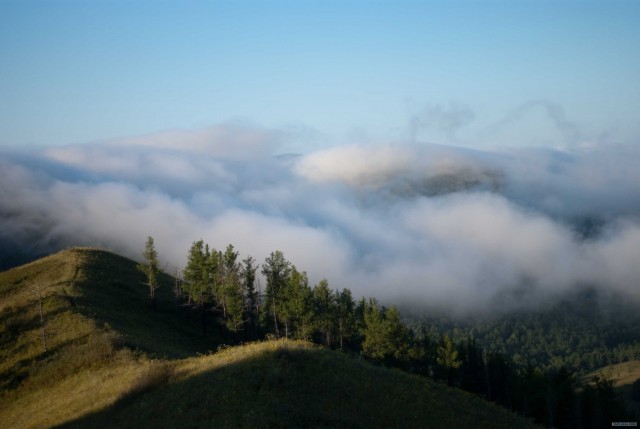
(527, 364)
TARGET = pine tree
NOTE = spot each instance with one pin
(215, 279)
(150, 269)
(297, 303)
(276, 270)
(251, 298)
(197, 275)
(345, 309)
(232, 290)
(447, 358)
(375, 344)
(397, 334)
(385, 336)
(325, 311)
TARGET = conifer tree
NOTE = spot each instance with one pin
(215, 278)
(345, 309)
(251, 298)
(298, 305)
(385, 336)
(374, 344)
(324, 309)
(150, 269)
(276, 270)
(197, 275)
(396, 333)
(447, 358)
(232, 290)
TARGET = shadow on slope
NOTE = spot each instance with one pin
(289, 385)
(622, 376)
(89, 299)
(113, 293)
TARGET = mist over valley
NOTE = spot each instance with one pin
(407, 222)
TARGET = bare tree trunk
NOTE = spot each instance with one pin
(37, 289)
(152, 296)
(177, 289)
(257, 320)
(275, 319)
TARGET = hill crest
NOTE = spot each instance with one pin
(109, 356)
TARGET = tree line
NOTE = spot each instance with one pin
(226, 295)
(582, 332)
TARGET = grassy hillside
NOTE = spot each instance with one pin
(294, 384)
(111, 361)
(622, 375)
(106, 289)
(97, 324)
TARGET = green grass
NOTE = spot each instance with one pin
(99, 327)
(295, 384)
(112, 361)
(112, 292)
(108, 290)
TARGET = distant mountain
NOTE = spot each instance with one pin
(80, 347)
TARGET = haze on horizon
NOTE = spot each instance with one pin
(436, 153)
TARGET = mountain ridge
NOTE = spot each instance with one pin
(110, 359)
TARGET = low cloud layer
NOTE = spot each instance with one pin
(405, 222)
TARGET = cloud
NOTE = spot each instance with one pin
(445, 120)
(401, 169)
(405, 222)
(232, 140)
(540, 123)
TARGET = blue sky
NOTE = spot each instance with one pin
(77, 71)
(141, 114)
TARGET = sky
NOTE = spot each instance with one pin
(76, 71)
(453, 154)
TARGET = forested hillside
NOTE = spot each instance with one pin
(83, 346)
(85, 312)
(582, 331)
(218, 290)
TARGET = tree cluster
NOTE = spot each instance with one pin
(551, 397)
(583, 332)
(226, 294)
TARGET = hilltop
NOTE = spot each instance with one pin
(110, 360)
(297, 384)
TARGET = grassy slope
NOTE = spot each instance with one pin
(623, 375)
(94, 303)
(106, 289)
(96, 311)
(296, 384)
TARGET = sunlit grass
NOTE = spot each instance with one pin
(63, 400)
(112, 361)
(297, 384)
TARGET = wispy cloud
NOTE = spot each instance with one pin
(405, 222)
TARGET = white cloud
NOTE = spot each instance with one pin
(403, 222)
